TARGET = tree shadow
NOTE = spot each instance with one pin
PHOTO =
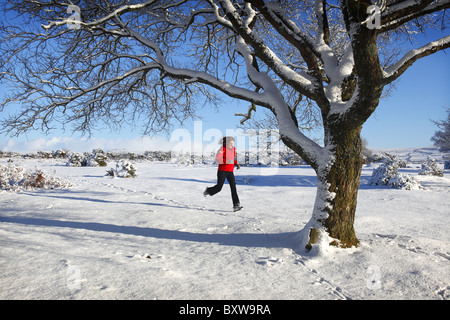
(265, 240)
(188, 180)
(262, 180)
(64, 195)
(278, 180)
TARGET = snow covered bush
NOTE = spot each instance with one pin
(405, 182)
(16, 178)
(157, 156)
(384, 173)
(75, 160)
(447, 164)
(290, 159)
(123, 169)
(61, 154)
(96, 158)
(387, 174)
(393, 158)
(430, 168)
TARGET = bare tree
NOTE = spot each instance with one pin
(122, 60)
(441, 138)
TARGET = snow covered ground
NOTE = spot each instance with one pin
(157, 237)
(415, 155)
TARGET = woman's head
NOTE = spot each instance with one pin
(227, 142)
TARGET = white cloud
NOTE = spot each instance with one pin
(181, 141)
(141, 144)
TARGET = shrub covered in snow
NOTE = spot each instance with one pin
(403, 181)
(16, 178)
(290, 159)
(75, 160)
(96, 158)
(430, 168)
(61, 154)
(157, 156)
(393, 158)
(123, 169)
(447, 164)
(381, 157)
(387, 174)
(384, 173)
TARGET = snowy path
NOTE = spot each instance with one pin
(157, 237)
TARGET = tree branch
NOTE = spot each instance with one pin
(297, 81)
(367, 69)
(412, 56)
(323, 30)
(116, 13)
(290, 31)
(400, 13)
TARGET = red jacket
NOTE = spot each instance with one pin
(226, 158)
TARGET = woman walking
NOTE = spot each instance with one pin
(226, 158)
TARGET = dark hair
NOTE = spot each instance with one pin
(224, 140)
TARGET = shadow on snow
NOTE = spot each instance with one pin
(274, 240)
(262, 180)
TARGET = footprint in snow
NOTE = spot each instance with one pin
(268, 261)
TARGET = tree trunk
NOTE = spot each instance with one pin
(344, 179)
(337, 190)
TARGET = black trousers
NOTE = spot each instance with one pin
(221, 176)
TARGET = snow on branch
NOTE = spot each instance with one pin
(409, 58)
(285, 26)
(276, 103)
(323, 41)
(116, 13)
(401, 12)
(291, 32)
(299, 82)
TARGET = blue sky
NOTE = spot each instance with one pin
(403, 120)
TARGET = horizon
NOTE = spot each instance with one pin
(140, 146)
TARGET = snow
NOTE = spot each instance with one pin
(413, 54)
(414, 155)
(157, 237)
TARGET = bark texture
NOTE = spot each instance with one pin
(343, 180)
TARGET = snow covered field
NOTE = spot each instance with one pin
(157, 237)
